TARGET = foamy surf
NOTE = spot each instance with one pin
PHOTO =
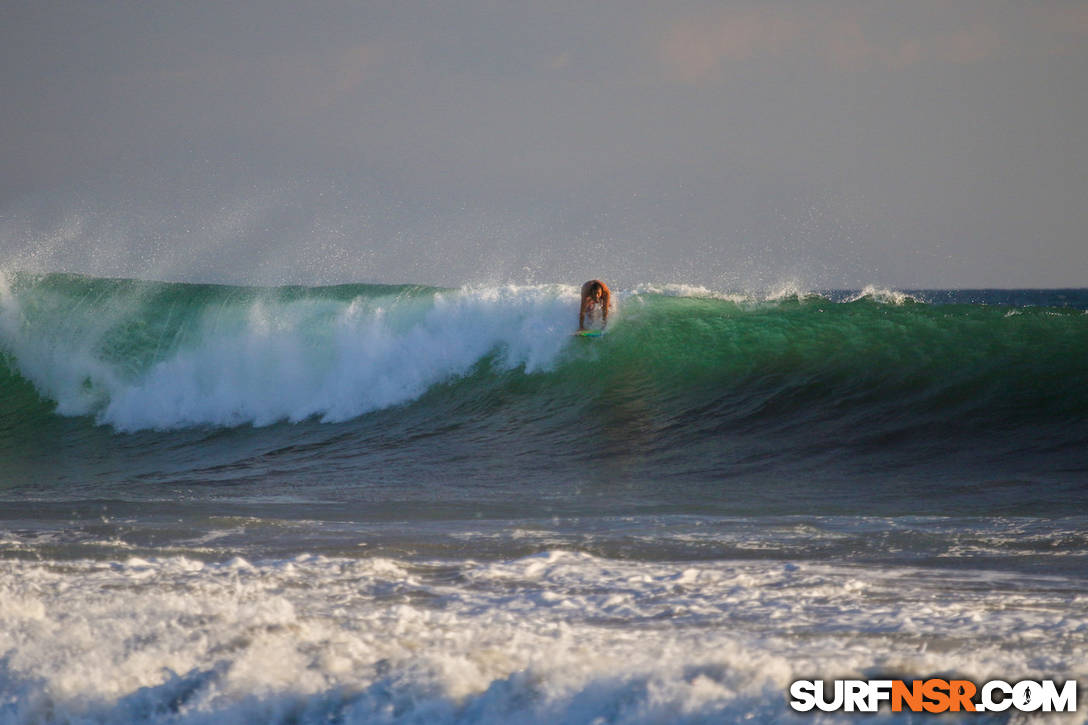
(262, 359)
(559, 636)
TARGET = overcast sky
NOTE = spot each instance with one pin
(739, 145)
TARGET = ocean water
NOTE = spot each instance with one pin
(402, 504)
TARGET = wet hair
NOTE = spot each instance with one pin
(591, 287)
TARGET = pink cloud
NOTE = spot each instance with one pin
(969, 45)
(1065, 19)
(696, 48)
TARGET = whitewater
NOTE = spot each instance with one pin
(230, 356)
(408, 504)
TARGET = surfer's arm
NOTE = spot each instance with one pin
(606, 302)
(582, 315)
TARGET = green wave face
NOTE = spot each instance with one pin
(823, 350)
(139, 355)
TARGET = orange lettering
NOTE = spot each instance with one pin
(961, 693)
(936, 691)
(912, 696)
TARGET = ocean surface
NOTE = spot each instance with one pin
(403, 504)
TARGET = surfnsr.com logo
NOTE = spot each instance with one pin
(933, 695)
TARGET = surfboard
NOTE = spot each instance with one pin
(589, 333)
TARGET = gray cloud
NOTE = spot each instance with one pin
(735, 144)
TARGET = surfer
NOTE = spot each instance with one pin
(594, 294)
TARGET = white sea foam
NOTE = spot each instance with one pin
(885, 296)
(688, 290)
(555, 637)
(269, 361)
(787, 290)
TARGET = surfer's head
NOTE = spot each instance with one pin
(593, 289)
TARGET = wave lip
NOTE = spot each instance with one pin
(880, 294)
